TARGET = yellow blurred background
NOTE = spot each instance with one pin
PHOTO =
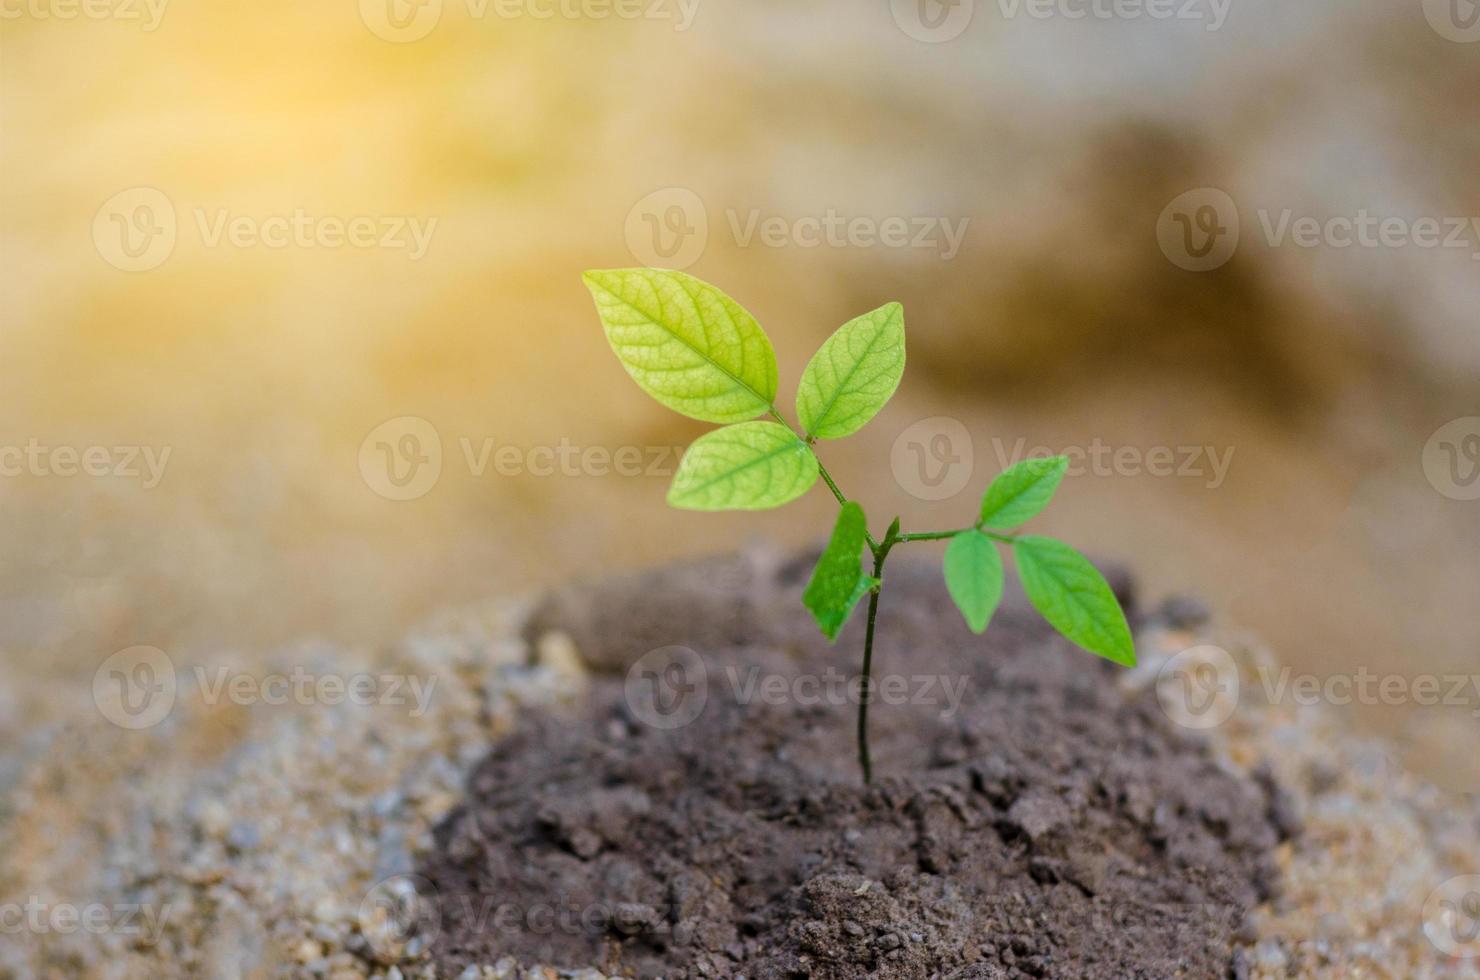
(210, 228)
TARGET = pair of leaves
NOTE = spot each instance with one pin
(838, 581)
(700, 353)
(1060, 582)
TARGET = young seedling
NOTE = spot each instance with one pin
(697, 351)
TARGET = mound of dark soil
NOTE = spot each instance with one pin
(1044, 826)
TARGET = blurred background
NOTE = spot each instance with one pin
(295, 343)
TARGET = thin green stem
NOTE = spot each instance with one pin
(932, 535)
(942, 535)
(832, 485)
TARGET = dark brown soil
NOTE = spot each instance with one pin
(1049, 828)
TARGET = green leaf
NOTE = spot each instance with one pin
(686, 343)
(853, 374)
(750, 466)
(1074, 597)
(1022, 490)
(838, 581)
(974, 577)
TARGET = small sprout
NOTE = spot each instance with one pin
(697, 351)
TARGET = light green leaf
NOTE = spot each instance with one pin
(1074, 597)
(838, 581)
(853, 374)
(973, 572)
(1022, 490)
(750, 466)
(686, 343)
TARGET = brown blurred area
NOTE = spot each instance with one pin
(532, 142)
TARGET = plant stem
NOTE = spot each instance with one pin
(942, 535)
(822, 471)
(866, 693)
